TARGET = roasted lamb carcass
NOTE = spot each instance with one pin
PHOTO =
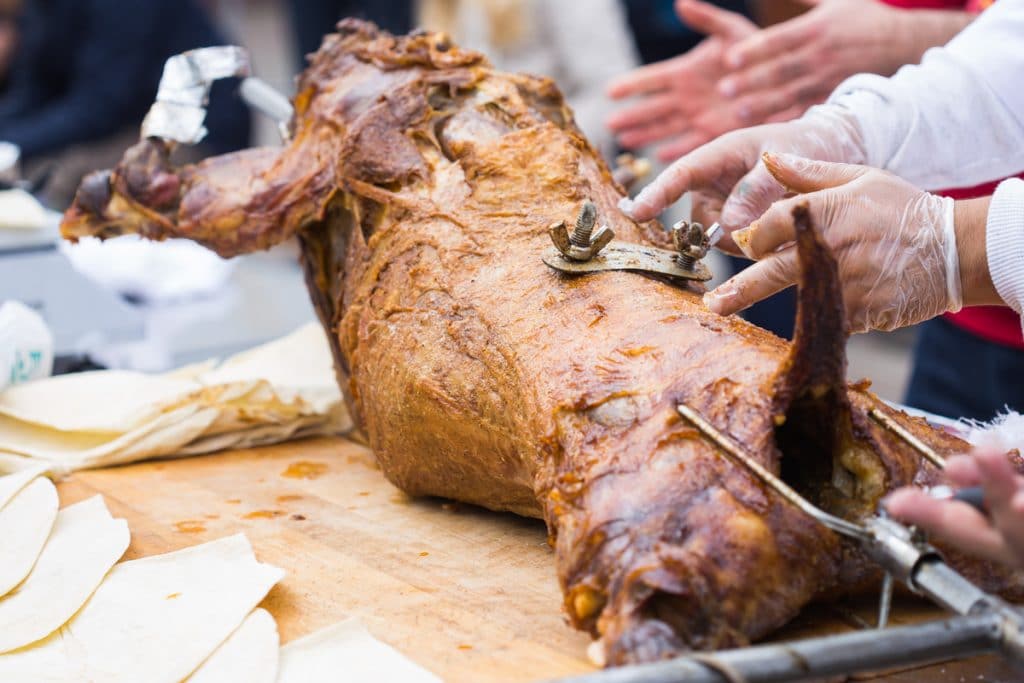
(420, 183)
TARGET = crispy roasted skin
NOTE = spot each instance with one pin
(419, 183)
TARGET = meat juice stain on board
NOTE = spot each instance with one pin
(190, 526)
(263, 514)
(304, 469)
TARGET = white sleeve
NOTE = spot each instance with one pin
(955, 120)
(1004, 242)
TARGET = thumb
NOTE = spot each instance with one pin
(802, 175)
(705, 18)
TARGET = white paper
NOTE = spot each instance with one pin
(298, 365)
(265, 395)
(105, 401)
(347, 652)
(154, 620)
(25, 524)
(10, 484)
(249, 655)
(19, 210)
(85, 543)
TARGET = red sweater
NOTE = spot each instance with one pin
(993, 323)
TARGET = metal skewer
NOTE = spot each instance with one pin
(733, 449)
(262, 97)
(899, 430)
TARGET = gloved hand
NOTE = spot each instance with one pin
(895, 245)
(999, 537)
(730, 177)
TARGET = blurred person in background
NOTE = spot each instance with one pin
(743, 76)
(79, 75)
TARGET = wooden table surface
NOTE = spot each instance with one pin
(469, 594)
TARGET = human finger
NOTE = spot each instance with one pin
(766, 43)
(644, 111)
(771, 74)
(761, 105)
(758, 107)
(1004, 497)
(708, 19)
(793, 112)
(705, 208)
(655, 131)
(800, 174)
(962, 471)
(750, 197)
(649, 78)
(772, 230)
(683, 144)
(755, 283)
(699, 169)
(957, 523)
(998, 478)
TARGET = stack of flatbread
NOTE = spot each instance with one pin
(285, 389)
(70, 613)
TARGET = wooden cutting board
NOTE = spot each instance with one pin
(469, 594)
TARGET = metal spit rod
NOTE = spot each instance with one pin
(803, 660)
(900, 553)
(899, 430)
(736, 451)
(262, 97)
(886, 541)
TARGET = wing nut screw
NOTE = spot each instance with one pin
(583, 243)
(692, 243)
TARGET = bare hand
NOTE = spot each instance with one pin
(677, 102)
(999, 537)
(783, 70)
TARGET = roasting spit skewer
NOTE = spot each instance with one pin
(986, 622)
(899, 430)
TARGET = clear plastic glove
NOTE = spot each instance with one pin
(895, 245)
(998, 537)
(733, 185)
(676, 102)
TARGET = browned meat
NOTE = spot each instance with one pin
(419, 183)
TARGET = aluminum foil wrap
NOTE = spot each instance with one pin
(180, 107)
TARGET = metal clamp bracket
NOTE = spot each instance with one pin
(584, 251)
